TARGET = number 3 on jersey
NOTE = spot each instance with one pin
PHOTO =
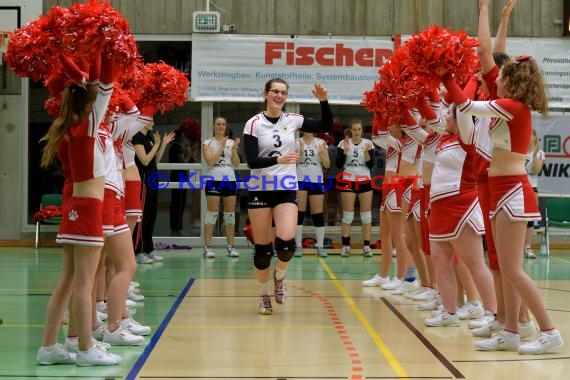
(278, 141)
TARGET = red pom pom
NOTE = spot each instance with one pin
(33, 49)
(436, 49)
(133, 81)
(191, 128)
(52, 106)
(164, 86)
(96, 26)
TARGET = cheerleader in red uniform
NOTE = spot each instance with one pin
(431, 113)
(82, 110)
(456, 223)
(400, 170)
(479, 133)
(520, 87)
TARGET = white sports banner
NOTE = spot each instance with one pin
(228, 67)
(554, 133)
(553, 57)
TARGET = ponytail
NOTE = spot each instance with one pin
(74, 107)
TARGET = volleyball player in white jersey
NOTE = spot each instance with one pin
(222, 157)
(314, 157)
(355, 156)
(270, 148)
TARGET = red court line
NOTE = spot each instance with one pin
(351, 351)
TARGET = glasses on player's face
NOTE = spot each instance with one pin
(277, 92)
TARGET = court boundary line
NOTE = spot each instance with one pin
(442, 359)
(133, 373)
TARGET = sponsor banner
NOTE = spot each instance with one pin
(553, 57)
(236, 67)
(228, 67)
(555, 142)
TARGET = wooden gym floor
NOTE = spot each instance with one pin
(205, 324)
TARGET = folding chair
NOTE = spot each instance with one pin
(47, 200)
(557, 216)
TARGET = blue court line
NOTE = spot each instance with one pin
(133, 373)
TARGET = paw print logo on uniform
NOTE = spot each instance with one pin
(73, 215)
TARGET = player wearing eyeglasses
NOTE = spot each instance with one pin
(271, 152)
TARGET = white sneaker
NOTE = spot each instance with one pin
(71, 344)
(423, 294)
(431, 304)
(96, 356)
(487, 318)
(394, 253)
(488, 330)
(101, 316)
(134, 289)
(527, 330)
(134, 327)
(438, 311)
(321, 252)
(143, 258)
(265, 307)
(130, 304)
(471, 310)
(366, 251)
(501, 341)
(155, 256)
(232, 252)
(406, 287)
(443, 320)
(135, 284)
(122, 337)
(55, 354)
(209, 253)
(99, 332)
(101, 306)
(345, 251)
(134, 296)
(529, 254)
(545, 341)
(393, 284)
(377, 280)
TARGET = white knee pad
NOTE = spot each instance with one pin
(347, 217)
(366, 217)
(229, 218)
(211, 217)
